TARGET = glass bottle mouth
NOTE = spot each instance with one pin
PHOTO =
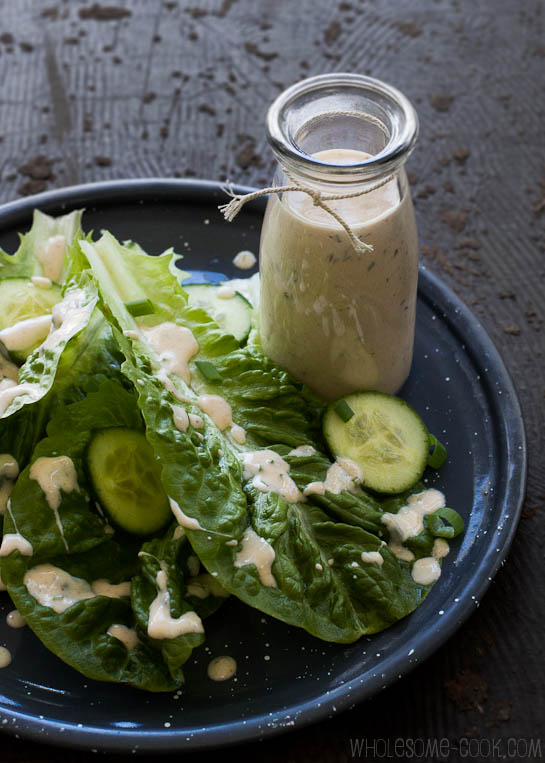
(335, 111)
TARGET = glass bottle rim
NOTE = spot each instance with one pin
(401, 131)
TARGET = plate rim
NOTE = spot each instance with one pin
(434, 291)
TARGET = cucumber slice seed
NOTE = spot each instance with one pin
(385, 437)
(126, 479)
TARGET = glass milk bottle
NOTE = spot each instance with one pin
(338, 291)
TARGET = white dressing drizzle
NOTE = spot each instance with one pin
(15, 619)
(161, 624)
(372, 557)
(218, 409)
(9, 470)
(51, 257)
(55, 588)
(343, 475)
(189, 523)
(68, 317)
(256, 550)
(175, 345)
(126, 635)
(269, 472)
(426, 571)
(15, 541)
(238, 434)
(180, 418)
(196, 421)
(302, 450)
(222, 668)
(225, 292)
(103, 587)
(25, 334)
(54, 475)
(409, 520)
(244, 260)
(8, 394)
(41, 282)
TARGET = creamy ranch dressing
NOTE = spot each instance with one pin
(15, 541)
(222, 668)
(54, 475)
(5, 657)
(189, 523)
(175, 345)
(180, 418)
(8, 394)
(41, 282)
(325, 306)
(256, 550)
(127, 636)
(372, 557)
(161, 624)
(55, 588)
(69, 316)
(15, 619)
(27, 333)
(218, 409)
(302, 450)
(9, 470)
(269, 472)
(238, 434)
(244, 260)
(343, 475)
(225, 292)
(51, 257)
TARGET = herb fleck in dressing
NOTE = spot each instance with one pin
(337, 319)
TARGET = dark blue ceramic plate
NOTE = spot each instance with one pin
(285, 677)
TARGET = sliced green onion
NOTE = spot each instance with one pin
(438, 453)
(208, 370)
(139, 307)
(437, 527)
(343, 410)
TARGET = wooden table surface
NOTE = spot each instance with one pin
(180, 89)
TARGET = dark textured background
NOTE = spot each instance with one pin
(149, 88)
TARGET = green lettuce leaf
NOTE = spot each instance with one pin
(321, 583)
(25, 263)
(80, 542)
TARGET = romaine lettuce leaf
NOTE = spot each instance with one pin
(26, 261)
(320, 582)
(78, 541)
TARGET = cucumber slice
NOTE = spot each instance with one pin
(233, 314)
(127, 480)
(385, 437)
(20, 300)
